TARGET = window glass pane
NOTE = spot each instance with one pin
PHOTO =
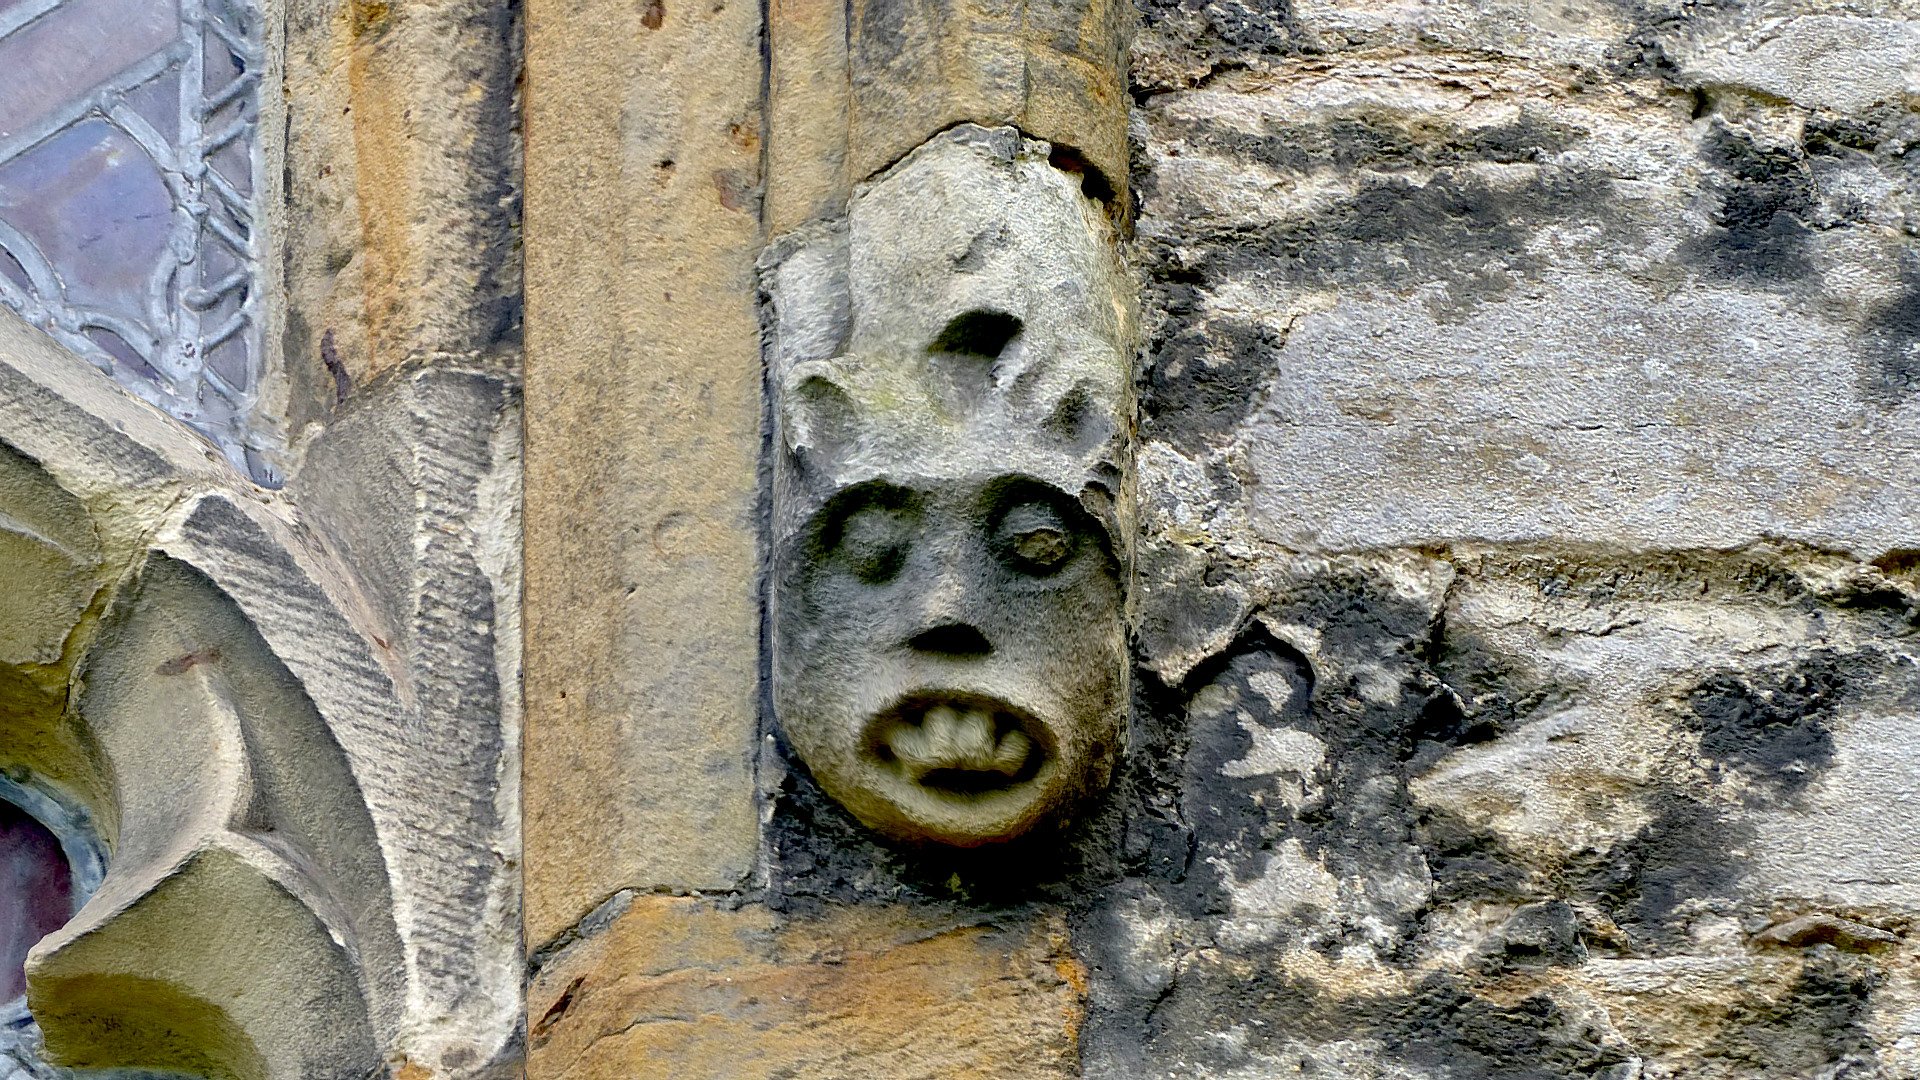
(41, 887)
(128, 166)
(36, 893)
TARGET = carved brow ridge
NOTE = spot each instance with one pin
(983, 333)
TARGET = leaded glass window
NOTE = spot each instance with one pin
(128, 174)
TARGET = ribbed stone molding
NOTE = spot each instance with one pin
(307, 862)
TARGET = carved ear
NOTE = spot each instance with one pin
(818, 416)
(1101, 498)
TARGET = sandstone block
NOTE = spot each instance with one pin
(692, 988)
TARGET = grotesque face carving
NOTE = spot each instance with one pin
(950, 517)
(951, 655)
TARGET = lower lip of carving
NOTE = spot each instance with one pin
(961, 745)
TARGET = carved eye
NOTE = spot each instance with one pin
(1035, 538)
(873, 543)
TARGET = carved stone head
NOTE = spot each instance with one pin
(951, 522)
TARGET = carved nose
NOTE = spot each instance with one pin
(956, 639)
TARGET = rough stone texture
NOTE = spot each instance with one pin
(1526, 593)
(854, 85)
(377, 596)
(1527, 598)
(182, 741)
(643, 424)
(677, 987)
(418, 482)
(1506, 811)
(952, 523)
(395, 323)
(392, 196)
(1608, 320)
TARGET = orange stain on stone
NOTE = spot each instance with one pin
(684, 987)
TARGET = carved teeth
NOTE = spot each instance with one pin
(1011, 755)
(951, 737)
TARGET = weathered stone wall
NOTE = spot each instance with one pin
(1527, 596)
(1525, 599)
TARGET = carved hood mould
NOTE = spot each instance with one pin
(951, 382)
(197, 665)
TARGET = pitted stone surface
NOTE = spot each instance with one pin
(1424, 300)
(1527, 598)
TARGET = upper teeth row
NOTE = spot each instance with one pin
(953, 737)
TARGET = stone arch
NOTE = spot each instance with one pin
(190, 665)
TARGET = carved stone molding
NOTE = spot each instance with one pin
(307, 871)
(952, 520)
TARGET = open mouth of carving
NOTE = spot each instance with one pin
(959, 745)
